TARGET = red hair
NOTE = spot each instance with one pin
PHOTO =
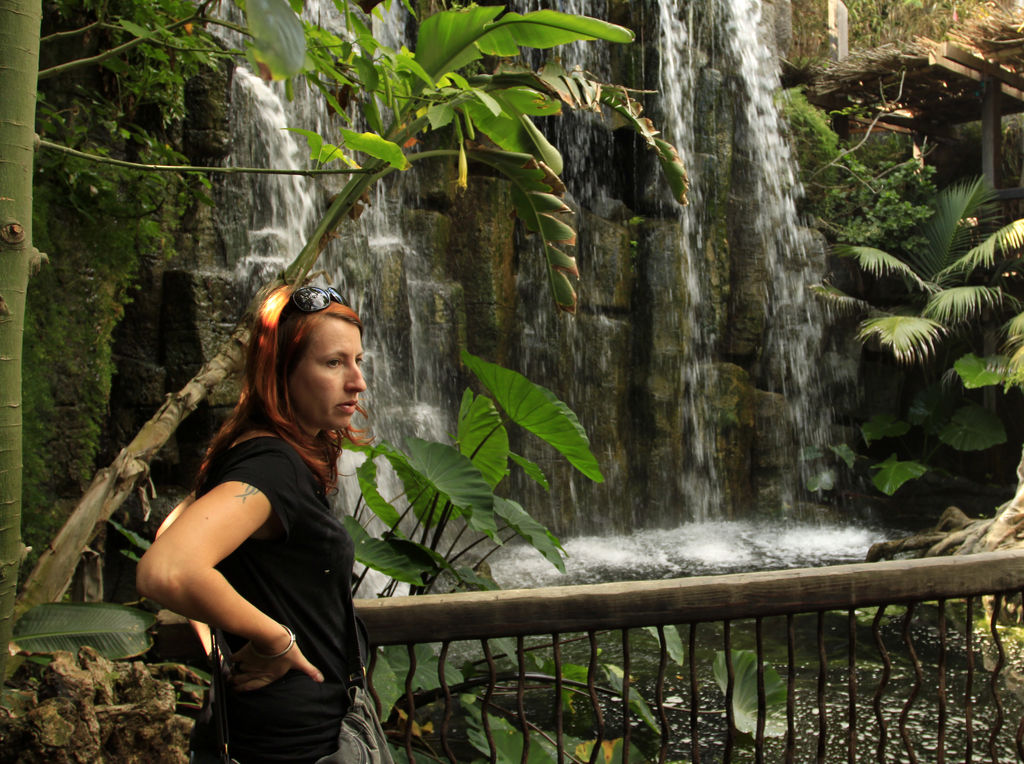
(279, 339)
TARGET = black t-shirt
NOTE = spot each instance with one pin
(302, 580)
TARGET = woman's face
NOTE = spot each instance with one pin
(324, 386)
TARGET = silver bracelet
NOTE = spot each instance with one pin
(291, 644)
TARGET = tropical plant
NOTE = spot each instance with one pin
(448, 500)
(940, 302)
(961, 275)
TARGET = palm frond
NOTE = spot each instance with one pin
(838, 299)
(946, 230)
(1008, 239)
(1014, 331)
(879, 263)
(956, 304)
(908, 338)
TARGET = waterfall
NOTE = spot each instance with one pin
(656, 334)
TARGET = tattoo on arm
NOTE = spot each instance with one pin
(247, 492)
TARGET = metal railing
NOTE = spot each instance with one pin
(900, 661)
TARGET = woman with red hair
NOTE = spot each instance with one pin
(256, 551)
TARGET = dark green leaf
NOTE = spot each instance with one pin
(451, 473)
(744, 696)
(883, 426)
(114, 631)
(536, 409)
(892, 473)
(845, 453)
(973, 428)
(980, 372)
(532, 470)
(483, 438)
(539, 537)
(401, 559)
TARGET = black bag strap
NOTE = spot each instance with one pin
(218, 694)
(356, 649)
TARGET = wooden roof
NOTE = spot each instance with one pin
(927, 86)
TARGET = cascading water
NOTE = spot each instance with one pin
(654, 334)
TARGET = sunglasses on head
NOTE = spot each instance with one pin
(310, 299)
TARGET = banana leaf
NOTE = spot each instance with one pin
(114, 631)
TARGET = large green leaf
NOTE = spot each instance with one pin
(377, 147)
(401, 559)
(482, 437)
(615, 676)
(892, 473)
(451, 39)
(381, 507)
(451, 473)
(114, 631)
(512, 129)
(883, 426)
(980, 372)
(279, 40)
(447, 40)
(931, 408)
(543, 540)
(536, 409)
(973, 428)
(452, 477)
(744, 694)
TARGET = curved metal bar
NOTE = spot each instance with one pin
(627, 728)
(694, 695)
(659, 695)
(448, 707)
(997, 606)
(730, 688)
(851, 686)
(908, 640)
(883, 730)
(591, 684)
(524, 727)
(969, 690)
(762, 701)
(940, 742)
(790, 689)
(822, 685)
(484, 716)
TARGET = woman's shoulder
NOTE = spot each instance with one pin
(258, 451)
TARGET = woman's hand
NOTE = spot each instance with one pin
(249, 671)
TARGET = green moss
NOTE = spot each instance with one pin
(94, 235)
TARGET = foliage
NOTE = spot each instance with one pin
(929, 305)
(950, 282)
(392, 663)
(745, 692)
(96, 223)
(878, 204)
(445, 484)
(115, 631)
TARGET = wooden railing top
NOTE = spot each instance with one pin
(515, 612)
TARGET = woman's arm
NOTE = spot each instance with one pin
(178, 572)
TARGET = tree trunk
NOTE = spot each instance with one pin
(19, 65)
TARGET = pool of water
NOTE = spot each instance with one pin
(693, 549)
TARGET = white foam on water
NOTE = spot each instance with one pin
(688, 550)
